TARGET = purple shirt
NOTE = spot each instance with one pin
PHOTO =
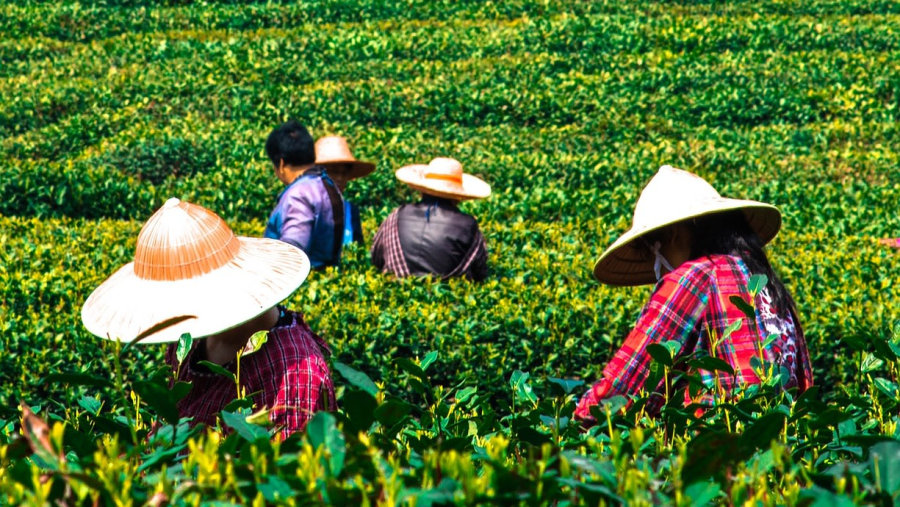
(303, 217)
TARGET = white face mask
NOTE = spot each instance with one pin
(659, 261)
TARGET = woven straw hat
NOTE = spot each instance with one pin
(334, 153)
(444, 177)
(671, 196)
(187, 261)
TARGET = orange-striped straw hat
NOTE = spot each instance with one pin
(188, 262)
(444, 177)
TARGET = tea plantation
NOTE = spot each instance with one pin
(451, 393)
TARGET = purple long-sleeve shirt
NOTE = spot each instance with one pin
(304, 218)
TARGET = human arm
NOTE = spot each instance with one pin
(894, 242)
(305, 389)
(673, 313)
(301, 209)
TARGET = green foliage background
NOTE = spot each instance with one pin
(566, 108)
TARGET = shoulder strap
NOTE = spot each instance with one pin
(337, 208)
(477, 249)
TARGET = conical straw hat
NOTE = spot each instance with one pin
(187, 261)
(334, 153)
(671, 196)
(444, 177)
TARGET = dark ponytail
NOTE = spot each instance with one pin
(729, 233)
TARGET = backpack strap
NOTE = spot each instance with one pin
(337, 209)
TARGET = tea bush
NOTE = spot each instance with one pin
(450, 392)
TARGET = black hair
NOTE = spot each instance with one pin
(729, 233)
(292, 143)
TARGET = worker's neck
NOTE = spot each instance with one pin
(288, 173)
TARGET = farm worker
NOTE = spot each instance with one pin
(310, 210)
(341, 166)
(188, 262)
(701, 250)
(432, 236)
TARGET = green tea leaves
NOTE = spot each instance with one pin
(356, 378)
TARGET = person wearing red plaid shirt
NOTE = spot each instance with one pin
(717, 245)
(192, 276)
(288, 373)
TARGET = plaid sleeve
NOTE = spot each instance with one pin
(672, 313)
(299, 217)
(305, 389)
(305, 386)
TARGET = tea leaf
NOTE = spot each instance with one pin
(522, 389)
(217, 369)
(392, 411)
(660, 354)
(712, 364)
(184, 346)
(255, 342)
(566, 385)
(743, 306)
(248, 431)
(356, 378)
(884, 463)
(428, 360)
(757, 283)
(887, 387)
(323, 432)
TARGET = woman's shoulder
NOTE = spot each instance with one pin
(292, 332)
(707, 268)
(694, 268)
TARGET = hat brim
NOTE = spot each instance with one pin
(626, 261)
(263, 273)
(473, 187)
(351, 169)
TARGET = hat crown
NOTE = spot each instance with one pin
(333, 149)
(444, 169)
(671, 192)
(181, 241)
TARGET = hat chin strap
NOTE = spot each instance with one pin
(659, 261)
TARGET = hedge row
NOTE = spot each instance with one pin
(452, 419)
(540, 59)
(540, 311)
(837, 180)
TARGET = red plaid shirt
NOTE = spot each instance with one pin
(288, 375)
(691, 305)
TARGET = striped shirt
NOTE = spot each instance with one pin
(691, 306)
(288, 375)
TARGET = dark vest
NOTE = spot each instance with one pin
(435, 236)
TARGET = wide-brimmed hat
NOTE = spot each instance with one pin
(188, 262)
(444, 177)
(334, 153)
(673, 195)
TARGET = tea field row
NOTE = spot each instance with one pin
(539, 312)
